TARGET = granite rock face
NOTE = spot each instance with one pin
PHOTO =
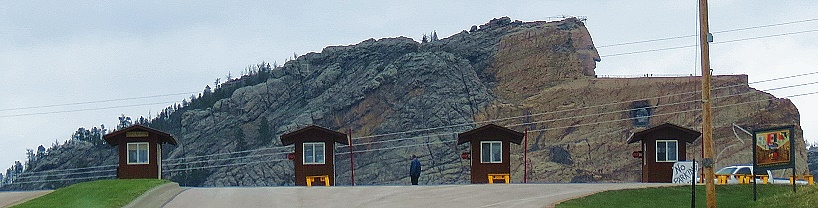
(399, 97)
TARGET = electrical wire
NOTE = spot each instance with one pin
(64, 179)
(575, 109)
(714, 43)
(723, 31)
(65, 174)
(84, 109)
(223, 159)
(425, 136)
(587, 124)
(225, 165)
(226, 153)
(92, 102)
(70, 169)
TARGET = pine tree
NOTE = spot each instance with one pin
(434, 35)
(40, 152)
(32, 159)
(124, 122)
(264, 135)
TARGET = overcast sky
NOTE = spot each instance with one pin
(63, 52)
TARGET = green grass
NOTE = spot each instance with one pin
(102, 193)
(679, 196)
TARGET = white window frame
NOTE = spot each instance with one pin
(667, 153)
(138, 144)
(490, 152)
(314, 153)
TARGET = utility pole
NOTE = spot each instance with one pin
(707, 111)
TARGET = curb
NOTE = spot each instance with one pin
(157, 196)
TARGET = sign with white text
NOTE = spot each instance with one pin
(685, 172)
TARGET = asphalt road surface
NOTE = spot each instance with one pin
(8, 198)
(448, 196)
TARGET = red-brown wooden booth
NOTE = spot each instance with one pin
(662, 146)
(140, 151)
(309, 160)
(485, 142)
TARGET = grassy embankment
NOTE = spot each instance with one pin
(101, 193)
(679, 196)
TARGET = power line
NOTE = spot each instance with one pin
(225, 165)
(576, 109)
(64, 179)
(573, 117)
(78, 110)
(426, 143)
(223, 159)
(226, 153)
(688, 46)
(65, 174)
(92, 102)
(723, 31)
(49, 171)
(610, 55)
(446, 133)
(767, 36)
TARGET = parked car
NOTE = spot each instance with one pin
(733, 171)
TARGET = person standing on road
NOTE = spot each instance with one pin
(414, 170)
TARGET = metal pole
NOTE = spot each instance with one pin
(351, 159)
(707, 114)
(793, 175)
(693, 186)
(525, 156)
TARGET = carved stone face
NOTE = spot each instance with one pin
(641, 113)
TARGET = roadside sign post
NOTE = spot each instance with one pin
(773, 148)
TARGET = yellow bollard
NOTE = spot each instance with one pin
(722, 179)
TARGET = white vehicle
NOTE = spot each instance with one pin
(734, 171)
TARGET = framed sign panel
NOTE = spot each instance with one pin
(774, 148)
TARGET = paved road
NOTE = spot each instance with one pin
(449, 196)
(8, 198)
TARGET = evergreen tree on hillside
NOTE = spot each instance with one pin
(239, 136)
(31, 159)
(81, 134)
(40, 152)
(434, 35)
(264, 135)
(124, 122)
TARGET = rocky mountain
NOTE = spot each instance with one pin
(400, 97)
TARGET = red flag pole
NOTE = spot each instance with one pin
(525, 156)
(351, 158)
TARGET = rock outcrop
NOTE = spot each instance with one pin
(399, 97)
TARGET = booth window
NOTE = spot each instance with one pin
(314, 153)
(491, 152)
(666, 150)
(138, 153)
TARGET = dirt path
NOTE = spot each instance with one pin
(496, 195)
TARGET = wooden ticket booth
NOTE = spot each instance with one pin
(313, 157)
(662, 146)
(140, 151)
(490, 152)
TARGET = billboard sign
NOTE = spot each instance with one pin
(774, 148)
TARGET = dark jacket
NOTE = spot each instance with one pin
(414, 170)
